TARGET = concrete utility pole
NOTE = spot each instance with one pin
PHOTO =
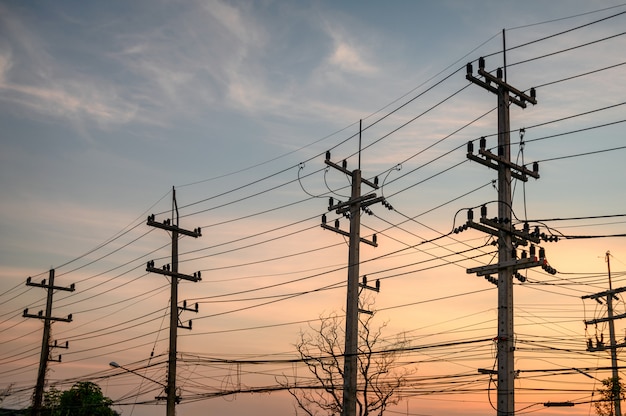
(45, 342)
(502, 227)
(172, 271)
(613, 345)
(352, 208)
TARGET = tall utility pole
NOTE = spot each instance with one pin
(613, 346)
(45, 342)
(502, 227)
(172, 271)
(352, 208)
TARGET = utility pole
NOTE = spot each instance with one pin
(352, 209)
(172, 271)
(613, 346)
(45, 342)
(507, 237)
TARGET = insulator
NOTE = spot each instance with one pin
(185, 302)
(483, 211)
(331, 202)
(69, 317)
(514, 253)
(526, 228)
(374, 238)
(470, 215)
(328, 155)
(536, 232)
(499, 73)
(536, 167)
(199, 275)
(377, 284)
(532, 251)
(323, 218)
(376, 180)
(337, 223)
(470, 147)
(73, 286)
(40, 313)
(199, 231)
(483, 143)
(481, 63)
(364, 280)
(43, 282)
(190, 324)
(148, 265)
(469, 69)
(196, 307)
(344, 163)
(533, 93)
(542, 253)
(524, 254)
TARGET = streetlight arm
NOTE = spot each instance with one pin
(116, 365)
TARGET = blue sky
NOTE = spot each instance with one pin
(105, 106)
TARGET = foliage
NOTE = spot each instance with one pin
(322, 349)
(82, 399)
(611, 389)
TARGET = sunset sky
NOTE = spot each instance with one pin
(106, 107)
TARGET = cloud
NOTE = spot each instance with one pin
(5, 65)
(72, 100)
(32, 77)
(348, 59)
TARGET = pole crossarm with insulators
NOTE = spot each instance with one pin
(47, 319)
(508, 239)
(608, 296)
(352, 209)
(171, 270)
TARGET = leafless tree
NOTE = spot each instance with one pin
(322, 350)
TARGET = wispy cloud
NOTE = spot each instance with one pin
(35, 80)
(348, 56)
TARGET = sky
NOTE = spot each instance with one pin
(108, 108)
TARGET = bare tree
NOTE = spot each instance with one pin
(322, 350)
